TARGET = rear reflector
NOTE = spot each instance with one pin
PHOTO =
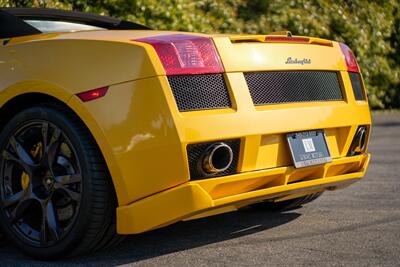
(350, 59)
(186, 54)
(93, 94)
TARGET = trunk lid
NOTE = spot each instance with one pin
(247, 53)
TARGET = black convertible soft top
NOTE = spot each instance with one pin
(12, 22)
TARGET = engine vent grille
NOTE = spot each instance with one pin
(355, 79)
(199, 92)
(293, 86)
(196, 154)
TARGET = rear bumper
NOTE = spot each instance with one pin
(197, 199)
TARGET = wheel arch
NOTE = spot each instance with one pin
(19, 102)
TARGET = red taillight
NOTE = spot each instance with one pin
(285, 39)
(186, 54)
(351, 60)
(93, 94)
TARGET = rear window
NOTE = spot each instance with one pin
(49, 26)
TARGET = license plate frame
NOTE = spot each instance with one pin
(308, 148)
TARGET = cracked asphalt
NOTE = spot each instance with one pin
(357, 226)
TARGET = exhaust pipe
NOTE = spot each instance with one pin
(359, 141)
(218, 158)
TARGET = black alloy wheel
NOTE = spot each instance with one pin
(42, 184)
(56, 195)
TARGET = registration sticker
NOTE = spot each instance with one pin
(308, 145)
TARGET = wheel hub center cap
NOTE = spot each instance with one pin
(43, 182)
(48, 181)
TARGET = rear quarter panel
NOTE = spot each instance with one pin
(62, 67)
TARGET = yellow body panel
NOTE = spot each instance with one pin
(143, 136)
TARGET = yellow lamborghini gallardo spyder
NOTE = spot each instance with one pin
(110, 128)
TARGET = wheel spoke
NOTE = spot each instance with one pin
(43, 233)
(21, 208)
(69, 178)
(16, 198)
(21, 157)
(53, 146)
(45, 130)
(7, 155)
(72, 194)
(52, 222)
(49, 227)
(21, 152)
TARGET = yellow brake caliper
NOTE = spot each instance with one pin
(35, 152)
(24, 180)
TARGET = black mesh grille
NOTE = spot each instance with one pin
(197, 92)
(196, 154)
(357, 86)
(293, 86)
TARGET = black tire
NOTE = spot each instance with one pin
(68, 184)
(290, 204)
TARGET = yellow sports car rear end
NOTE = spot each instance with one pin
(172, 126)
(269, 88)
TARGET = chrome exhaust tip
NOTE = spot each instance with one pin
(359, 142)
(218, 158)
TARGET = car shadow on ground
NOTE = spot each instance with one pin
(177, 237)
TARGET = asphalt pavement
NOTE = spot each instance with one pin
(356, 226)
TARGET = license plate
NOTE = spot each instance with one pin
(308, 148)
